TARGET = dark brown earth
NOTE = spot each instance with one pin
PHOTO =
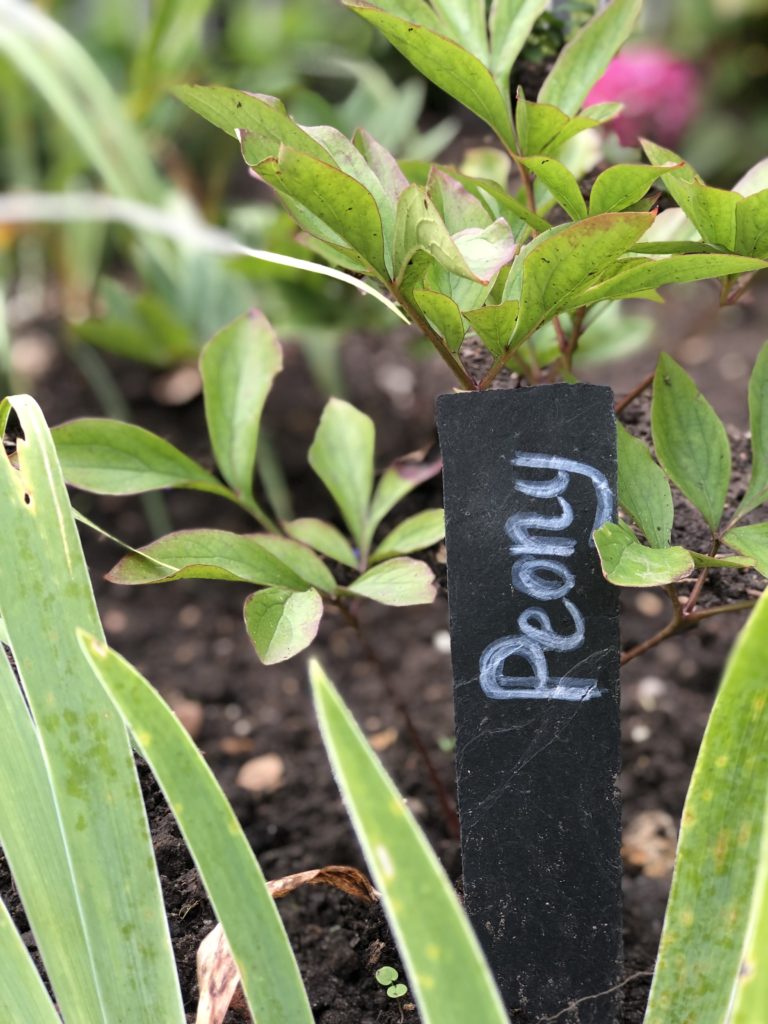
(188, 639)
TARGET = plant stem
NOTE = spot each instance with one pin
(679, 623)
(447, 806)
(693, 597)
(634, 393)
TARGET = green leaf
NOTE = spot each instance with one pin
(238, 367)
(397, 991)
(110, 457)
(443, 314)
(494, 325)
(711, 210)
(510, 23)
(386, 975)
(557, 266)
(560, 182)
(700, 961)
(223, 856)
(467, 22)
(45, 594)
(628, 563)
(452, 68)
(757, 492)
(451, 981)
(690, 440)
(264, 559)
(336, 198)
(264, 117)
(621, 186)
(382, 163)
(418, 227)
(643, 490)
(457, 205)
(584, 59)
(645, 275)
(721, 561)
(33, 845)
(323, 537)
(282, 623)
(398, 480)
(750, 993)
(342, 456)
(415, 533)
(752, 225)
(398, 582)
(486, 250)
(751, 541)
(22, 993)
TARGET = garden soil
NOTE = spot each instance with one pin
(256, 726)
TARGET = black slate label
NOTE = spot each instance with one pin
(528, 475)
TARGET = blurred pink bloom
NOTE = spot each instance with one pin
(659, 92)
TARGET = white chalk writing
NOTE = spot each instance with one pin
(540, 573)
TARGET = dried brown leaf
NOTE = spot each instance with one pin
(217, 975)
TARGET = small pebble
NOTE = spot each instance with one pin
(115, 620)
(441, 641)
(262, 774)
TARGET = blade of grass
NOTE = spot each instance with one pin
(224, 858)
(446, 967)
(44, 596)
(55, 207)
(31, 837)
(716, 884)
(22, 993)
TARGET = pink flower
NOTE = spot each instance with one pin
(659, 92)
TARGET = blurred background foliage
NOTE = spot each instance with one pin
(88, 107)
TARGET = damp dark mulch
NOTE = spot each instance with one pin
(189, 640)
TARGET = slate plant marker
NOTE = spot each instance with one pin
(528, 475)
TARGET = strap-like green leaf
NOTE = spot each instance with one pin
(22, 993)
(701, 957)
(224, 858)
(451, 981)
(282, 623)
(757, 492)
(110, 457)
(644, 490)
(584, 59)
(628, 563)
(342, 456)
(690, 440)
(45, 594)
(33, 845)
